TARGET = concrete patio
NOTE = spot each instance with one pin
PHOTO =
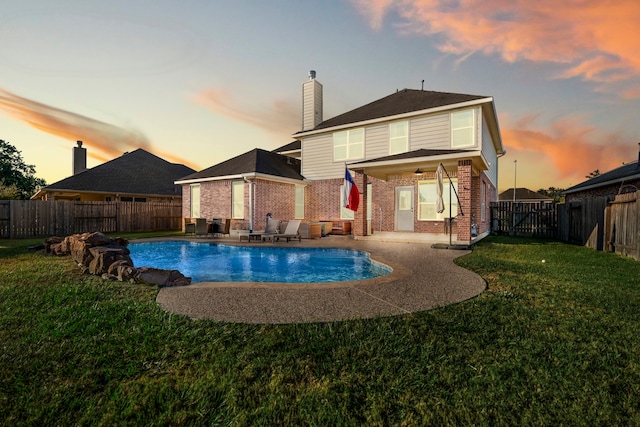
(423, 278)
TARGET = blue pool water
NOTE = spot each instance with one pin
(211, 262)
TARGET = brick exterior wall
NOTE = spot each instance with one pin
(322, 202)
(276, 198)
(465, 190)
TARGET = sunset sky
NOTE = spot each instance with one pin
(198, 81)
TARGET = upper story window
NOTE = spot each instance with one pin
(462, 128)
(398, 137)
(348, 145)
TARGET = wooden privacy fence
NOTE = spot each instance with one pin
(622, 226)
(605, 223)
(532, 219)
(36, 218)
(582, 222)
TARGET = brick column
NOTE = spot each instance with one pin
(360, 217)
(464, 193)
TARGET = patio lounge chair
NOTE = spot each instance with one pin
(271, 230)
(189, 226)
(226, 229)
(202, 228)
(291, 232)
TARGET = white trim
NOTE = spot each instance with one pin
(251, 175)
(396, 117)
(211, 178)
(412, 160)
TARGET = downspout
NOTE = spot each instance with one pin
(250, 182)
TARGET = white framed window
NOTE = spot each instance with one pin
(194, 193)
(398, 137)
(344, 212)
(462, 128)
(299, 202)
(348, 144)
(427, 197)
(237, 199)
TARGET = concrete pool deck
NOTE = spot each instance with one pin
(423, 278)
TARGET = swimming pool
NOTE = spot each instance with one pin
(212, 262)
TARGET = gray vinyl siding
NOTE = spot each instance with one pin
(430, 132)
(376, 141)
(317, 158)
(311, 104)
(489, 153)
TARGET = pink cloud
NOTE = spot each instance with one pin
(107, 141)
(279, 118)
(597, 39)
(572, 147)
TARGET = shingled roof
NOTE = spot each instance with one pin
(292, 146)
(422, 152)
(137, 172)
(627, 172)
(523, 194)
(401, 102)
(255, 161)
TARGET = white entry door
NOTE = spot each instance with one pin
(404, 208)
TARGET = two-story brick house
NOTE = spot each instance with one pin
(392, 147)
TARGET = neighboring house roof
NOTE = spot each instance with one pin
(137, 172)
(523, 195)
(625, 173)
(251, 163)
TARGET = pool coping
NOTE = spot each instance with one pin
(422, 278)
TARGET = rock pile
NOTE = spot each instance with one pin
(100, 255)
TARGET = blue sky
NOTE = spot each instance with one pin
(198, 82)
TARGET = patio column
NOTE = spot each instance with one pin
(464, 192)
(360, 217)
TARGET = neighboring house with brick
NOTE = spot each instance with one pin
(522, 195)
(138, 176)
(624, 179)
(392, 147)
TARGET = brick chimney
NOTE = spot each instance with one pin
(79, 158)
(311, 102)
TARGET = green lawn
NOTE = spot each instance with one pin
(553, 343)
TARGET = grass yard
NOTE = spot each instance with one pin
(553, 343)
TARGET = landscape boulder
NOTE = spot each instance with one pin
(104, 256)
(159, 277)
(109, 258)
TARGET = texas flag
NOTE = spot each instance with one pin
(350, 194)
